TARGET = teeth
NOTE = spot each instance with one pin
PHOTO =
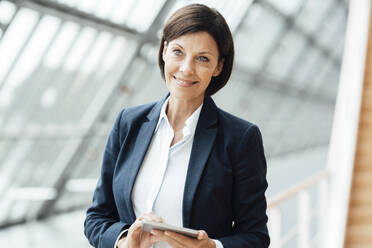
(183, 82)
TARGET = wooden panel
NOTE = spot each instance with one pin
(358, 246)
(365, 133)
(365, 147)
(363, 165)
(364, 141)
(363, 179)
(366, 117)
(366, 107)
(367, 101)
(363, 151)
(368, 78)
(367, 92)
(360, 215)
(359, 234)
(361, 196)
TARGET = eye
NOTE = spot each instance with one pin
(177, 52)
(203, 59)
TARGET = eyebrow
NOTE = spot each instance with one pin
(205, 52)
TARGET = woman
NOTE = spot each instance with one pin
(182, 160)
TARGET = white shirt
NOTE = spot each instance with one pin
(160, 181)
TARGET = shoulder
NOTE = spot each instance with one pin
(235, 126)
(133, 114)
(129, 119)
(241, 139)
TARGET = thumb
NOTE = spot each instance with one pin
(202, 235)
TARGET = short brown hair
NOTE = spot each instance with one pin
(195, 18)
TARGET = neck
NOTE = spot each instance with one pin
(179, 110)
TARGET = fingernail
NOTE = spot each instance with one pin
(166, 233)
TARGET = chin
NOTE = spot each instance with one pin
(182, 95)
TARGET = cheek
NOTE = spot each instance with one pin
(170, 66)
(206, 74)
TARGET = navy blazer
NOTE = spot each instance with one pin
(225, 184)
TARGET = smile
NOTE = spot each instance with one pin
(185, 83)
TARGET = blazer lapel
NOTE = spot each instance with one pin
(205, 135)
(142, 143)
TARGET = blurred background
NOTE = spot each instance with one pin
(67, 67)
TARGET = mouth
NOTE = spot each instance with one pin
(184, 82)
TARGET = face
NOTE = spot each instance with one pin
(190, 61)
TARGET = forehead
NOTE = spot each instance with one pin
(199, 42)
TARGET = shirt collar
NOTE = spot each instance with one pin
(190, 124)
(163, 115)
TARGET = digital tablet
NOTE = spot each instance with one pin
(147, 226)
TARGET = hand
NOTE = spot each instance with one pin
(177, 240)
(136, 238)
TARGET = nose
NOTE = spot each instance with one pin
(187, 67)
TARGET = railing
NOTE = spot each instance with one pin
(303, 226)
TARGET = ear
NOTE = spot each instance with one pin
(165, 46)
(218, 69)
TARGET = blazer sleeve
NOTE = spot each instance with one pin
(102, 224)
(249, 202)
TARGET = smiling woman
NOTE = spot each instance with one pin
(183, 161)
(190, 61)
(195, 19)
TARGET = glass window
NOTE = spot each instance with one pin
(305, 66)
(257, 35)
(320, 79)
(48, 97)
(328, 34)
(85, 5)
(31, 56)
(149, 86)
(310, 16)
(316, 70)
(16, 156)
(233, 90)
(338, 48)
(14, 39)
(100, 46)
(105, 8)
(286, 54)
(60, 47)
(113, 55)
(122, 10)
(288, 7)
(143, 8)
(332, 79)
(233, 11)
(7, 10)
(72, 61)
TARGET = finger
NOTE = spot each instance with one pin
(161, 236)
(202, 235)
(185, 240)
(150, 217)
(154, 217)
(136, 227)
(154, 237)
